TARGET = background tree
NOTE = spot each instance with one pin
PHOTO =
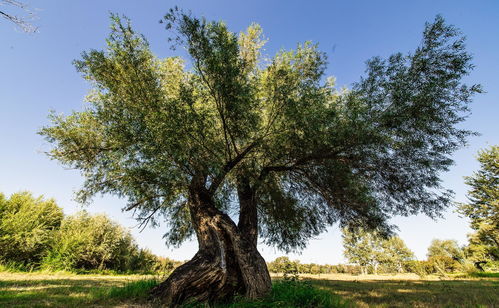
(483, 207)
(27, 227)
(285, 266)
(272, 141)
(395, 254)
(445, 255)
(363, 248)
(22, 21)
(370, 249)
(92, 242)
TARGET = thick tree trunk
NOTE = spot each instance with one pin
(227, 263)
(248, 219)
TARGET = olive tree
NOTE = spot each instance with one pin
(228, 133)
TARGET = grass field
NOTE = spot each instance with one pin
(410, 292)
(67, 290)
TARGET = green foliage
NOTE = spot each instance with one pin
(483, 207)
(27, 227)
(313, 155)
(394, 254)
(89, 242)
(284, 265)
(370, 249)
(34, 234)
(13, 267)
(445, 248)
(445, 256)
(420, 268)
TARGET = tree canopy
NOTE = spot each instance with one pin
(445, 248)
(230, 116)
(483, 206)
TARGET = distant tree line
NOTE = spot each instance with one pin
(284, 265)
(35, 234)
(370, 254)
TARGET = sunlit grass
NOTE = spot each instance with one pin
(412, 293)
(288, 294)
(70, 290)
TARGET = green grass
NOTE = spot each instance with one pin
(416, 293)
(485, 275)
(289, 294)
(69, 290)
(135, 290)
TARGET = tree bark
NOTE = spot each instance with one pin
(227, 263)
(248, 217)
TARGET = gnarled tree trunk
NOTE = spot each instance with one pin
(227, 263)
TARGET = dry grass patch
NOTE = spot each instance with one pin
(381, 291)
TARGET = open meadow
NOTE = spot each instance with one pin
(71, 290)
(407, 290)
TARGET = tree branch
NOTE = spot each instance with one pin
(230, 165)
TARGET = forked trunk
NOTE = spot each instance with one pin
(227, 263)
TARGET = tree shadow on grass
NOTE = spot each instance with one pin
(420, 293)
(54, 292)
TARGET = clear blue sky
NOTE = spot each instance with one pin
(36, 75)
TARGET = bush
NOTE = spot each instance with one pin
(444, 264)
(92, 242)
(27, 226)
(420, 268)
(34, 234)
(165, 265)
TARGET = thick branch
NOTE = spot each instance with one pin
(229, 166)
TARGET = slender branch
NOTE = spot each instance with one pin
(21, 22)
(138, 203)
(145, 221)
(217, 103)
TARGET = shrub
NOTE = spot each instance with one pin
(89, 242)
(420, 268)
(27, 226)
(34, 234)
(444, 264)
(165, 265)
